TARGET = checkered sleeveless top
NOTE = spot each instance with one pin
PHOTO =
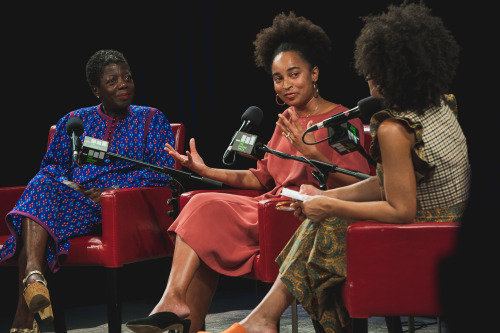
(440, 157)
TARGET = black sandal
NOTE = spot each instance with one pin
(159, 322)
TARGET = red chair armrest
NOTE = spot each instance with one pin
(134, 225)
(388, 267)
(276, 227)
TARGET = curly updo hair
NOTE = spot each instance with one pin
(292, 33)
(409, 54)
(99, 60)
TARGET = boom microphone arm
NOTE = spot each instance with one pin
(323, 169)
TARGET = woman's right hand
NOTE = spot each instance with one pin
(74, 186)
(309, 190)
(192, 160)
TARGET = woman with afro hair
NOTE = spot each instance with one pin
(408, 58)
(217, 233)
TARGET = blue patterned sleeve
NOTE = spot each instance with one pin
(57, 162)
(160, 132)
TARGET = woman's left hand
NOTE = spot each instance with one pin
(292, 129)
(94, 194)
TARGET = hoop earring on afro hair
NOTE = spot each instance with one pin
(277, 101)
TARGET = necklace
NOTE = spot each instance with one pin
(306, 114)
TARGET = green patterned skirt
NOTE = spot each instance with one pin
(313, 267)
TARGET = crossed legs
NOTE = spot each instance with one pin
(192, 284)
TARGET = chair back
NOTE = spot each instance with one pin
(52, 130)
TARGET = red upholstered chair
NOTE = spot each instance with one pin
(133, 225)
(392, 270)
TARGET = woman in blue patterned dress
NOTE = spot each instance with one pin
(408, 58)
(63, 200)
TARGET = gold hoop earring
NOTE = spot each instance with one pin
(277, 102)
(315, 88)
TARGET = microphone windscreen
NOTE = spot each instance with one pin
(75, 124)
(367, 107)
(254, 115)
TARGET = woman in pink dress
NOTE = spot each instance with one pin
(217, 233)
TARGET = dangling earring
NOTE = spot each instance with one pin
(315, 88)
(277, 102)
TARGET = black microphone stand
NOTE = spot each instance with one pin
(77, 147)
(176, 178)
(322, 168)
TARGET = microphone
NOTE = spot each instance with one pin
(248, 145)
(365, 109)
(75, 128)
(250, 118)
(94, 151)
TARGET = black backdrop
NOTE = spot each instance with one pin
(191, 59)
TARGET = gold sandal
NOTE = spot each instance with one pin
(35, 329)
(37, 297)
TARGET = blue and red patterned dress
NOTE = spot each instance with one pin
(65, 213)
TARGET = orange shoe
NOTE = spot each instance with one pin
(235, 328)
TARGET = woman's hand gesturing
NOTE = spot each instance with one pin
(293, 131)
(192, 160)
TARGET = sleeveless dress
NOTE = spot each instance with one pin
(65, 213)
(312, 264)
(223, 228)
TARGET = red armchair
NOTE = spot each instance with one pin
(392, 270)
(133, 226)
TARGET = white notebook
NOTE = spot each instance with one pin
(294, 194)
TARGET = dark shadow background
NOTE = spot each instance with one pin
(194, 61)
(191, 59)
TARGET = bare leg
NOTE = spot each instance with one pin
(264, 318)
(185, 263)
(31, 257)
(200, 294)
